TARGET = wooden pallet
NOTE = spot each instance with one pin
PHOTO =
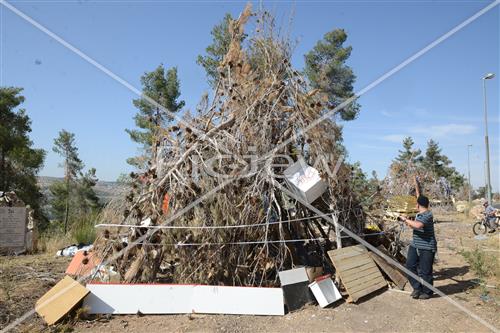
(392, 272)
(357, 270)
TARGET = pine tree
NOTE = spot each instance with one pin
(19, 161)
(439, 165)
(326, 69)
(409, 155)
(75, 195)
(215, 52)
(164, 88)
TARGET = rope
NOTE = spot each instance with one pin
(110, 225)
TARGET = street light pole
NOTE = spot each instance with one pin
(468, 171)
(486, 141)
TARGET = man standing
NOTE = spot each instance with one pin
(489, 213)
(422, 249)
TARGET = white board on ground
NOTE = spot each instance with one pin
(178, 299)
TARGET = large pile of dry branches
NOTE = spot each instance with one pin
(242, 229)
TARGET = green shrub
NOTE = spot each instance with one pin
(480, 262)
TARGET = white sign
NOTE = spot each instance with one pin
(12, 228)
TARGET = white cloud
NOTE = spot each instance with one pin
(394, 138)
(444, 131)
(386, 113)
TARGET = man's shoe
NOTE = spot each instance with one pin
(424, 296)
(415, 294)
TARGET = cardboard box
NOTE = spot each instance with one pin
(305, 181)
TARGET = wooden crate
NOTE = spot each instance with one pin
(357, 270)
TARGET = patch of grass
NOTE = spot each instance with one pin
(83, 231)
(51, 242)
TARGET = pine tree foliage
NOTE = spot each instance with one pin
(326, 69)
(221, 38)
(409, 155)
(164, 88)
(75, 196)
(19, 161)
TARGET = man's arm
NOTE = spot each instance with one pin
(414, 224)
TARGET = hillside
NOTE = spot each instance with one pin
(105, 190)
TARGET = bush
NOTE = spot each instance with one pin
(483, 264)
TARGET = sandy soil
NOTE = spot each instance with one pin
(24, 279)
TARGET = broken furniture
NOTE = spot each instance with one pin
(357, 270)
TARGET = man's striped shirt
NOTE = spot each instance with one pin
(424, 238)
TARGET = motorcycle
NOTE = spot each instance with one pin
(481, 227)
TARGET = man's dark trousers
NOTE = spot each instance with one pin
(420, 262)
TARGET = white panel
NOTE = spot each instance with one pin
(325, 292)
(292, 276)
(173, 299)
(131, 298)
(238, 300)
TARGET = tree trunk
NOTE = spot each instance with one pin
(67, 199)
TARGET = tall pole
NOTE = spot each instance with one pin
(486, 141)
(468, 171)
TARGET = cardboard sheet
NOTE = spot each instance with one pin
(60, 300)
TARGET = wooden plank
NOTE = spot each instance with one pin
(363, 279)
(395, 275)
(348, 255)
(347, 251)
(357, 274)
(366, 282)
(354, 297)
(357, 270)
(365, 260)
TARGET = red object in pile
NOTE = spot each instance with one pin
(166, 202)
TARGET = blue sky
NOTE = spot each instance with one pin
(438, 96)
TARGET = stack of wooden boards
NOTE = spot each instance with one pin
(358, 271)
(400, 204)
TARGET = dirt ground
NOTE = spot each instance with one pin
(24, 279)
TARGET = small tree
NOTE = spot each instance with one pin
(440, 165)
(326, 69)
(75, 196)
(164, 88)
(19, 161)
(409, 155)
